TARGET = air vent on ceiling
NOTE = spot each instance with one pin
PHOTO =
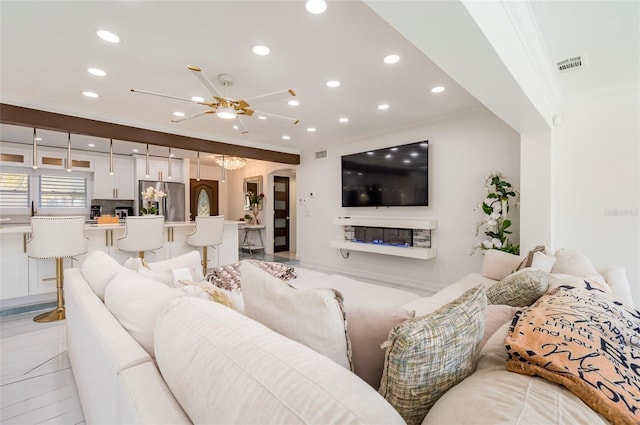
(321, 154)
(572, 64)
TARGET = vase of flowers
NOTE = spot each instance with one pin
(495, 206)
(255, 200)
(150, 195)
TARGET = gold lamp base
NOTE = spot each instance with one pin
(50, 316)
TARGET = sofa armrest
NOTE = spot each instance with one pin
(616, 278)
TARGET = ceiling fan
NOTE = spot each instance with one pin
(225, 107)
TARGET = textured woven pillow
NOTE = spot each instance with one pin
(428, 355)
(519, 289)
(227, 276)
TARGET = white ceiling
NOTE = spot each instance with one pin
(46, 47)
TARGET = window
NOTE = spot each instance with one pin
(62, 191)
(14, 190)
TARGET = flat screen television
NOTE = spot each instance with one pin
(389, 177)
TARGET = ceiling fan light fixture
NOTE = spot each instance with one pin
(226, 113)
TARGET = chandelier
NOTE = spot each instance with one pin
(231, 162)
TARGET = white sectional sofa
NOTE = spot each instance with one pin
(215, 365)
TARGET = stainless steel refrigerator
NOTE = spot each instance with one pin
(172, 205)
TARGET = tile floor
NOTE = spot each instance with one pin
(36, 382)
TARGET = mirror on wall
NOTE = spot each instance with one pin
(253, 185)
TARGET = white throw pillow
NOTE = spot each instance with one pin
(99, 269)
(498, 264)
(542, 261)
(137, 302)
(574, 263)
(313, 317)
(191, 260)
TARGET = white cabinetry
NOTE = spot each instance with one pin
(120, 185)
(14, 266)
(416, 224)
(159, 169)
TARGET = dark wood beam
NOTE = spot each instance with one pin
(27, 117)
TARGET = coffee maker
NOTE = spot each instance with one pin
(95, 212)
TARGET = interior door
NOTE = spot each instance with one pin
(280, 214)
(204, 197)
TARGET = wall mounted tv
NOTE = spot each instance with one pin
(389, 177)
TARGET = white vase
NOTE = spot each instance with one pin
(255, 210)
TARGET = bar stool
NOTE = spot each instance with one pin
(208, 233)
(56, 237)
(142, 234)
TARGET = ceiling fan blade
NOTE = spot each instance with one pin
(270, 96)
(204, 80)
(199, 114)
(172, 97)
(241, 127)
(278, 117)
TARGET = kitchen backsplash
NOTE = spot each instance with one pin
(109, 205)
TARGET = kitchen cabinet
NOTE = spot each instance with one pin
(14, 269)
(159, 169)
(42, 274)
(120, 185)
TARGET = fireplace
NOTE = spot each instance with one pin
(383, 236)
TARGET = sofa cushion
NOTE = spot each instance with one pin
(493, 395)
(98, 269)
(498, 264)
(428, 355)
(497, 315)
(372, 311)
(573, 263)
(137, 302)
(190, 260)
(313, 317)
(245, 373)
(519, 289)
(227, 276)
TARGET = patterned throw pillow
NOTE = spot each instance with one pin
(519, 289)
(428, 355)
(585, 340)
(228, 276)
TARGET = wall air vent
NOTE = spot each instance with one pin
(572, 64)
(321, 154)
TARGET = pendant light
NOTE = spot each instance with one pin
(198, 168)
(35, 151)
(170, 173)
(147, 163)
(224, 173)
(69, 152)
(111, 157)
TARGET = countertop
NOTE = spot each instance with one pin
(7, 227)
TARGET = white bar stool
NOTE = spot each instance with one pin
(56, 237)
(208, 233)
(143, 233)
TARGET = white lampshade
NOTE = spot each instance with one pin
(226, 113)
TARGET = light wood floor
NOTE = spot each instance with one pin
(36, 383)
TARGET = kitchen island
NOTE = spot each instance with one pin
(25, 280)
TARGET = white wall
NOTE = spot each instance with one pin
(596, 180)
(463, 150)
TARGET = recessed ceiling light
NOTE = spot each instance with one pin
(316, 6)
(90, 94)
(92, 145)
(333, 84)
(294, 102)
(108, 36)
(262, 117)
(197, 98)
(437, 89)
(261, 50)
(178, 114)
(311, 129)
(343, 119)
(383, 106)
(96, 71)
(134, 150)
(391, 59)
(285, 137)
(235, 127)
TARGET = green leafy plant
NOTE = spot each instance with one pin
(254, 198)
(495, 224)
